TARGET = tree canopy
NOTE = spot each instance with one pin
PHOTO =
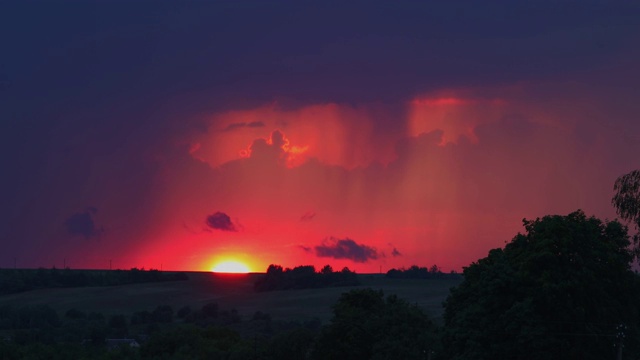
(365, 325)
(558, 291)
(627, 200)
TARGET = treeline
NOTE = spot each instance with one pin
(304, 277)
(415, 272)
(207, 332)
(19, 280)
(377, 326)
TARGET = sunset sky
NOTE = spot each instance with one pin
(367, 134)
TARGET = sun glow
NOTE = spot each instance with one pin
(231, 267)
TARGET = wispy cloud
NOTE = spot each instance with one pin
(308, 216)
(239, 125)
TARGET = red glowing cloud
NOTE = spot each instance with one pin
(276, 148)
(334, 134)
(456, 116)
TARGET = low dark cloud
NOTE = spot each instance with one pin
(306, 249)
(308, 216)
(83, 224)
(220, 221)
(395, 252)
(235, 126)
(346, 249)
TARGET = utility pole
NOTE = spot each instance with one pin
(620, 329)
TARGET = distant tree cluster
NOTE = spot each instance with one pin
(304, 277)
(415, 272)
(18, 280)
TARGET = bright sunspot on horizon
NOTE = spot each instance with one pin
(234, 267)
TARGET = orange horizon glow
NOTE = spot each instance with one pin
(231, 267)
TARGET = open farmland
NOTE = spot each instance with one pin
(231, 291)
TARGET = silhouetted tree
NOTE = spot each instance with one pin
(327, 269)
(190, 342)
(415, 272)
(162, 314)
(210, 310)
(291, 345)
(75, 314)
(556, 292)
(365, 325)
(184, 311)
(627, 202)
(141, 317)
(118, 325)
(303, 277)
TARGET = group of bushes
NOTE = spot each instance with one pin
(415, 272)
(304, 277)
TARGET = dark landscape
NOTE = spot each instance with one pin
(232, 291)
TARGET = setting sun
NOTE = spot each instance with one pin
(231, 267)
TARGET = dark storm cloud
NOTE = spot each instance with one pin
(83, 224)
(220, 221)
(308, 216)
(239, 125)
(267, 151)
(346, 249)
(171, 48)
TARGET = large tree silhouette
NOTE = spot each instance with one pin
(559, 291)
(366, 325)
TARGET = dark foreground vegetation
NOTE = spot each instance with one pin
(19, 280)
(562, 290)
(304, 277)
(365, 325)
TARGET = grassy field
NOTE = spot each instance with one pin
(231, 291)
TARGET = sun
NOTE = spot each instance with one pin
(231, 267)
